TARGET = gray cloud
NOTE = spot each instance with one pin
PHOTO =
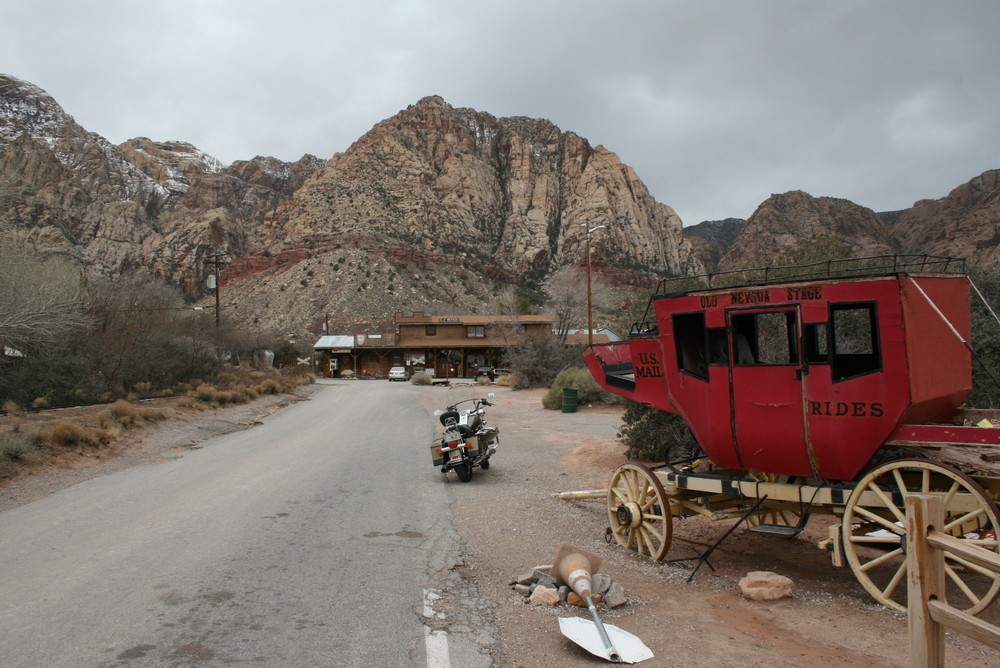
(716, 104)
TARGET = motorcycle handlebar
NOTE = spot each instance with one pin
(481, 402)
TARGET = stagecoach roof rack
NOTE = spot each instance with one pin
(855, 267)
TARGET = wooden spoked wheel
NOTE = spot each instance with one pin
(874, 531)
(639, 511)
(784, 515)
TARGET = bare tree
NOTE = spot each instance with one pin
(567, 292)
(41, 298)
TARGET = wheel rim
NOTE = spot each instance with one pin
(639, 511)
(875, 517)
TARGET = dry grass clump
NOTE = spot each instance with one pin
(269, 386)
(70, 433)
(40, 402)
(150, 414)
(483, 380)
(14, 446)
(105, 419)
(124, 412)
(190, 401)
(11, 407)
(506, 380)
(242, 385)
(421, 378)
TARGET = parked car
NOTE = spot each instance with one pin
(487, 371)
(399, 373)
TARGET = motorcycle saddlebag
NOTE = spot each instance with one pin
(437, 457)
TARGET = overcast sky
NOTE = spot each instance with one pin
(716, 104)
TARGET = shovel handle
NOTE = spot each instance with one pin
(608, 645)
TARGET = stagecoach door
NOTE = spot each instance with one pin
(767, 389)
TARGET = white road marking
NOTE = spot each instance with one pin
(435, 641)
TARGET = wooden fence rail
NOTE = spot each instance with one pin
(928, 612)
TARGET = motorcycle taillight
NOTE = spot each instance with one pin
(454, 444)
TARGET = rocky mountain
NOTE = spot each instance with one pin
(435, 208)
(784, 221)
(161, 208)
(711, 239)
(965, 223)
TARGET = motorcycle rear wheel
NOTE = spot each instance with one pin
(464, 471)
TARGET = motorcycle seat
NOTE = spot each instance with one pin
(449, 418)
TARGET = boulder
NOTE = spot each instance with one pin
(544, 596)
(766, 586)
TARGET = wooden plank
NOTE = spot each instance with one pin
(960, 548)
(582, 494)
(925, 581)
(975, 628)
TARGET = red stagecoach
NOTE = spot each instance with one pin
(833, 388)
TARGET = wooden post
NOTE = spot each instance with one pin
(925, 580)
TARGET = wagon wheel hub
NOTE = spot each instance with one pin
(629, 515)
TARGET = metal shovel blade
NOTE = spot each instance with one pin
(585, 634)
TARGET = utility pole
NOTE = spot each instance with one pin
(216, 259)
(590, 304)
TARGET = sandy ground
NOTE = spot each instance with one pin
(510, 522)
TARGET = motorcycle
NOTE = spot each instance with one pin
(467, 440)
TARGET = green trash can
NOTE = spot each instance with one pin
(569, 400)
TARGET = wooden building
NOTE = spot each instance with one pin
(448, 346)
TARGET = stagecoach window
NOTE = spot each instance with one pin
(691, 338)
(816, 343)
(718, 346)
(765, 338)
(854, 336)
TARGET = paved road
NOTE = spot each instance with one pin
(312, 539)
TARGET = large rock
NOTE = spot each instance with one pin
(766, 586)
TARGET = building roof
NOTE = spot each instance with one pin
(334, 341)
(421, 318)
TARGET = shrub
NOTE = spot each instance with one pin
(107, 434)
(105, 419)
(588, 391)
(58, 380)
(483, 380)
(206, 392)
(123, 412)
(421, 378)
(269, 386)
(538, 359)
(650, 434)
(15, 423)
(15, 446)
(11, 407)
(69, 433)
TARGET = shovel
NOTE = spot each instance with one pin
(574, 567)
